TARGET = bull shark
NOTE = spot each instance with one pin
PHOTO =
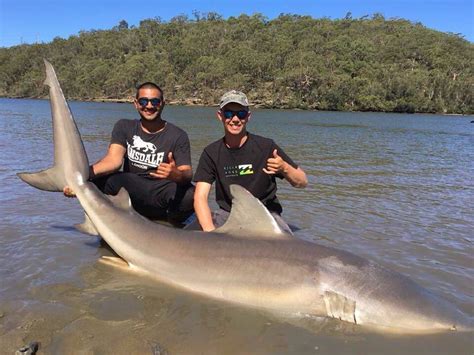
(249, 261)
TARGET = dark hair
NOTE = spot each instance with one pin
(149, 85)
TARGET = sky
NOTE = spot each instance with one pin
(40, 21)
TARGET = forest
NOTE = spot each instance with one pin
(299, 62)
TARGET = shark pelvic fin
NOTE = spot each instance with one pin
(121, 200)
(249, 218)
(47, 180)
(87, 226)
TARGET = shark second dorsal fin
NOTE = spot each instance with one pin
(249, 218)
(121, 200)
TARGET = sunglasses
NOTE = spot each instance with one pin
(143, 101)
(240, 114)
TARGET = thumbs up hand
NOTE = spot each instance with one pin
(275, 164)
(167, 170)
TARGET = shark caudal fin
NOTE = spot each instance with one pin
(249, 218)
(71, 165)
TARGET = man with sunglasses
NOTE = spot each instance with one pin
(241, 158)
(156, 160)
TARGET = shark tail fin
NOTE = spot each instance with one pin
(70, 158)
(87, 226)
(48, 180)
(50, 74)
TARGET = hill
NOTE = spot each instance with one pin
(363, 64)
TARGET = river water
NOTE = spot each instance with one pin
(396, 189)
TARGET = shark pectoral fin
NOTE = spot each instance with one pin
(47, 180)
(249, 218)
(121, 200)
(87, 226)
(340, 307)
(114, 261)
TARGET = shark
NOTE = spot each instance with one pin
(248, 261)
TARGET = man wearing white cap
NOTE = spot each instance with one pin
(241, 158)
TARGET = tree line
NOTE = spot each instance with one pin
(292, 61)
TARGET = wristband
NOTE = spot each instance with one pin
(91, 173)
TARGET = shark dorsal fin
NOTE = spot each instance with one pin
(121, 200)
(249, 218)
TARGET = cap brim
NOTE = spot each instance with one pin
(240, 102)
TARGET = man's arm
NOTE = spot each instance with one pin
(110, 163)
(201, 206)
(295, 176)
(185, 174)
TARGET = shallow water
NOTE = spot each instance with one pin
(396, 189)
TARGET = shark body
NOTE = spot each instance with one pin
(249, 260)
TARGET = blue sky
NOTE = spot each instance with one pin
(30, 21)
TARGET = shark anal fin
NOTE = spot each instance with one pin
(340, 307)
(47, 180)
(249, 218)
(87, 226)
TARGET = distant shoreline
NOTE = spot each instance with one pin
(197, 102)
(293, 62)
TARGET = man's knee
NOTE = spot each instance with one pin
(113, 183)
(101, 182)
(186, 197)
(181, 206)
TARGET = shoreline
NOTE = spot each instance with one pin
(198, 103)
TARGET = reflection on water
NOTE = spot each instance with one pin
(397, 189)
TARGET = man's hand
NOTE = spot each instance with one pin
(68, 192)
(275, 165)
(167, 170)
(295, 176)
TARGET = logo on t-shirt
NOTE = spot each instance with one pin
(143, 154)
(238, 170)
(245, 169)
(140, 144)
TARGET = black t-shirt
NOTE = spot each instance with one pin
(242, 166)
(146, 151)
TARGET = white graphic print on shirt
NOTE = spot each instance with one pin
(143, 153)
